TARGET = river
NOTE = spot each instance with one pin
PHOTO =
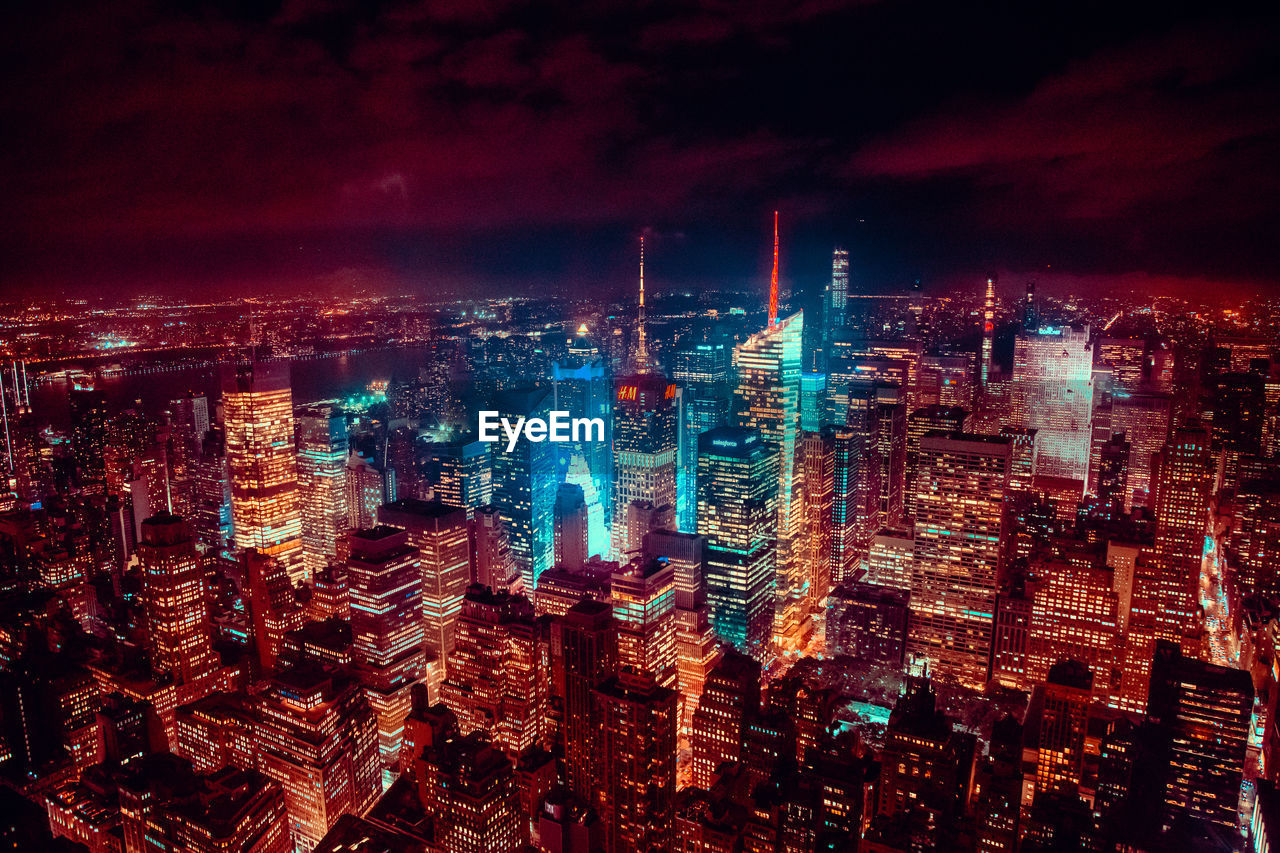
(313, 379)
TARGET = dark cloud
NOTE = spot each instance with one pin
(239, 142)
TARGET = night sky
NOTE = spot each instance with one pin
(503, 146)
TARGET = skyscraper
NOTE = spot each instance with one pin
(524, 486)
(736, 485)
(315, 734)
(173, 596)
(645, 439)
(387, 631)
(459, 473)
(369, 486)
(891, 452)
(767, 399)
(697, 647)
(580, 385)
(730, 699)
(439, 533)
(1144, 420)
(1063, 705)
(932, 418)
(498, 680)
(702, 366)
(1053, 394)
(1202, 715)
(465, 786)
(322, 468)
(262, 462)
(589, 656)
(835, 298)
(491, 562)
(988, 335)
(644, 607)
(817, 467)
(854, 503)
(571, 549)
(638, 762)
(959, 535)
(1184, 474)
(273, 608)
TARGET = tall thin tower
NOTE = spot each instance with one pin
(642, 340)
(988, 331)
(773, 279)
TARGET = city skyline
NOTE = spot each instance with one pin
(819, 427)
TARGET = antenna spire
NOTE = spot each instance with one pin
(642, 341)
(773, 280)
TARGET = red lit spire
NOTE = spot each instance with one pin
(773, 280)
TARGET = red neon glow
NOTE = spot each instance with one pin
(773, 280)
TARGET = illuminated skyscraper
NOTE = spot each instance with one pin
(491, 562)
(1184, 474)
(854, 504)
(369, 486)
(589, 656)
(638, 762)
(644, 607)
(212, 488)
(817, 467)
(702, 367)
(322, 468)
(1202, 714)
(1053, 394)
(459, 473)
(933, 418)
(697, 647)
(1144, 420)
(317, 737)
(736, 486)
(891, 557)
(730, 699)
(891, 452)
(1255, 541)
(497, 676)
(959, 534)
(262, 462)
(173, 596)
(988, 335)
(922, 767)
(439, 532)
(524, 486)
(645, 441)
(835, 310)
(767, 399)
(815, 410)
(1062, 701)
(570, 526)
(387, 631)
(465, 786)
(594, 500)
(273, 608)
(1076, 613)
(580, 386)
(1030, 311)
(945, 380)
